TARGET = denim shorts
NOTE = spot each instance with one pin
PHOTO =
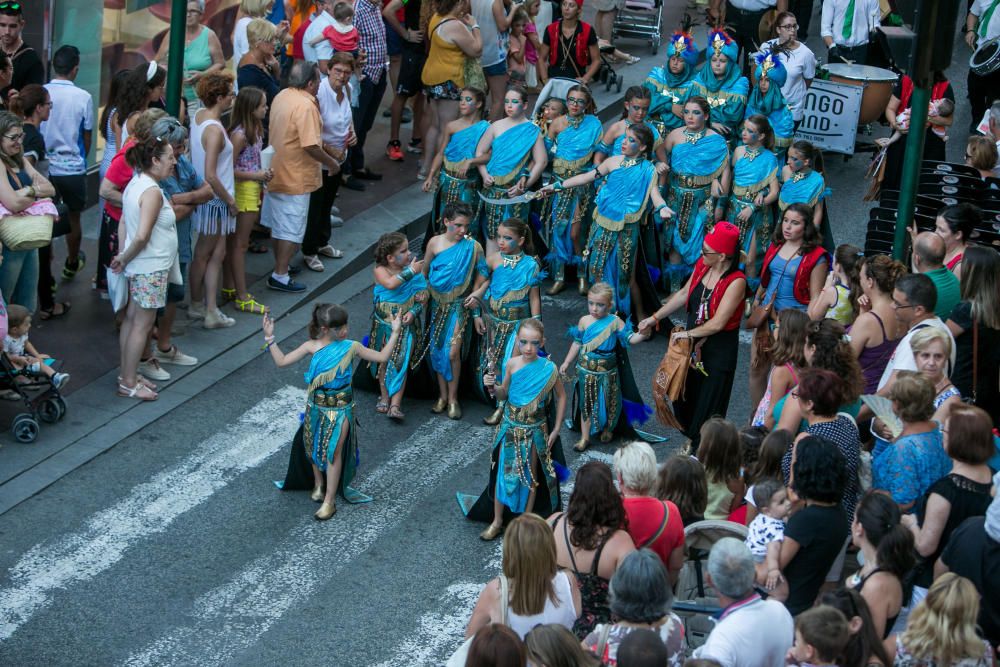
(499, 69)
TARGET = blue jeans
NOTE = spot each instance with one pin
(19, 278)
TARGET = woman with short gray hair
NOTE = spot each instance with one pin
(641, 598)
(652, 523)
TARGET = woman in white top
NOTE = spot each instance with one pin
(798, 59)
(538, 591)
(212, 156)
(148, 257)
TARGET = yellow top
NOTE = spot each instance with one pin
(446, 61)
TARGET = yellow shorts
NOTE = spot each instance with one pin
(247, 196)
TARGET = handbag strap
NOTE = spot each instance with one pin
(659, 531)
(504, 596)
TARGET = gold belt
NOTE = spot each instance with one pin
(694, 181)
(510, 312)
(340, 399)
(597, 364)
(524, 417)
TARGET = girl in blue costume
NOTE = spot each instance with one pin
(523, 448)
(669, 85)
(400, 287)
(637, 103)
(768, 100)
(509, 297)
(699, 179)
(755, 189)
(450, 168)
(721, 83)
(628, 189)
(503, 155)
(802, 182)
(574, 137)
(328, 432)
(597, 339)
(451, 267)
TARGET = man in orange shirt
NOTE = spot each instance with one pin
(296, 135)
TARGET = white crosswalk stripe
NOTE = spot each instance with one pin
(246, 606)
(150, 508)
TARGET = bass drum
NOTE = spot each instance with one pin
(986, 59)
(877, 84)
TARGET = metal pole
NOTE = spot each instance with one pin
(175, 70)
(911, 168)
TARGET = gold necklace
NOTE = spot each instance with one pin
(630, 162)
(694, 137)
(798, 176)
(751, 153)
(510, 261)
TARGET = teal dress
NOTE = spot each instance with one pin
(405, 355)
(572, 153)
(598, 395)
(810, 190)
(727, 96)
(613, 245)
(329, 411)
(511, 153)
(450, 278)
(752, 173)
(666, 90)
(453, 188)
(508, 303)
(694, 164)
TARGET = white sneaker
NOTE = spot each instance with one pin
(196, 311)
(217, 320)
(336, 221)
(152, 370)
(59, 380)
(334, 210)
(174, 356)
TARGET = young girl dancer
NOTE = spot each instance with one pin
(601, 340)
(510, 296)
(246, 131)
(400, 287)
(328, 428)
(524, 447)
(450, 266)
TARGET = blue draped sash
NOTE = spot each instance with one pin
(809, 191)
(529, 383)
(462, 145)
(616, 148)
(511, 152)
(693, 168)
(623, 196)
(335, 359)
(750, 178)
(576, 143)
(403, 296)
(451, 272)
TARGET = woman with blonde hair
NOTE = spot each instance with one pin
(942, 629)
(553, 645)
(539, 592)
(931, 351)
(250, 10)
(981, 155)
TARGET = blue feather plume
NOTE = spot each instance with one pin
(366, 340)
(636, 413)
(654, 273)
(562, 472)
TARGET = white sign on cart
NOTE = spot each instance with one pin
(830, 121)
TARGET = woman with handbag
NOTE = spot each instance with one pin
(713, 301)
(798, 265)
(148, 255)
(21, 210)
(454, 38)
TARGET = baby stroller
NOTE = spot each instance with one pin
(607, 73)
(696, 601)
(640, 19)
(38, 394)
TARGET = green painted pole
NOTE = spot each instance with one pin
(175, 71)
(911, 169)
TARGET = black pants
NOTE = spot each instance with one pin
(983, 91)
(318, 219)
(803, 10)
(745, 31)
(856, 54)
(364, 117)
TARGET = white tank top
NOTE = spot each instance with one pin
(224, 165)
(494, 42)
(564, 614)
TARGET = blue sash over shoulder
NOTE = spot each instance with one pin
(531, 382)
(623, 196)
(462, 145)
(452, 269)
(332, 365)
(697, 164)
(616, 149)
(511, 151)
(809, 190)
(577, 143)
(402, 294)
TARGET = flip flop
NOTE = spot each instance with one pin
(257, 248)
(381, 407)
(396, 414)
(50, 314)
(139, 391)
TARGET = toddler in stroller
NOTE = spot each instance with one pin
(21, 354)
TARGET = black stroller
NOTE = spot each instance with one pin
(41, 398)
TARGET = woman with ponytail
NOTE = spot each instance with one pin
(888, 552)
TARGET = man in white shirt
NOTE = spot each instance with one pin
(334, 97)
(982, 24)
(846, 28)
(67, 135)
(323, 51)
(744, 16)
(914, 300)
(750, 632)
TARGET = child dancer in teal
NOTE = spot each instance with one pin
(328, 430)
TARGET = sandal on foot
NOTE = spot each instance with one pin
(50, 313)
(139, 391)
(381, 407)
(149, 384)
(228, 295)
(251, 305)
(395, 413)
(257, 248)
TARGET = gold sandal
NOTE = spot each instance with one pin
(251, 305)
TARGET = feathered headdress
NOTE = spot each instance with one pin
(720, 42)
(769, 65)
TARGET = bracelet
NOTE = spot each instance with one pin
(476, 312)
(406, 275)
(475, 26)
(660, 207)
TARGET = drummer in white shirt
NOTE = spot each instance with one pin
(798, 59)
(982, 24)
(847, 35)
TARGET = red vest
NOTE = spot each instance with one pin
(800, 287)
(581, 52)
(717, 293)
